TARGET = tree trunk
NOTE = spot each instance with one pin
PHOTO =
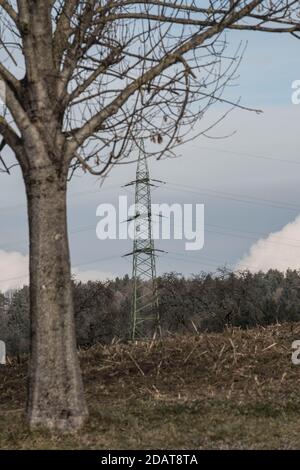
(56, 398)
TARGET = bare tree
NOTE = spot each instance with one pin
(86, 82)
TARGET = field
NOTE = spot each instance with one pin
(237, 389)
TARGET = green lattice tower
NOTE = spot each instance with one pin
(145, 303)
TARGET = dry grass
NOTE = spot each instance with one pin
(237, 389)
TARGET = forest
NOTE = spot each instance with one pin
(201, 303)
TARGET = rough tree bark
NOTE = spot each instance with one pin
(56, 397)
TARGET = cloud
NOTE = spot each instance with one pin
(91, 275)
(14, 271)
(280, 250)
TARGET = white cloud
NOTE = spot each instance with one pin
(14, 271)
(91, 275)
(280, 250)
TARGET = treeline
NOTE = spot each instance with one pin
(201, 303)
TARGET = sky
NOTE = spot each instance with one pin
(248, 183)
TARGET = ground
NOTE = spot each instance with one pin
(236, 389)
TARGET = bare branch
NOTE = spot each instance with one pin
(10, 80)
(10, 11)
(97, 120)
(102, 75)
(10, 136)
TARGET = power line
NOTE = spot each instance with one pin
(88, 228)
(23, 276)
(236, 197)
(185, 188)
(209, 261)
(195, 190)
(182, 256)
(250, 155)
(253, 232)
(251, 238)
(70, 196)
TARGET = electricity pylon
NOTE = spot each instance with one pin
(145, 303)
